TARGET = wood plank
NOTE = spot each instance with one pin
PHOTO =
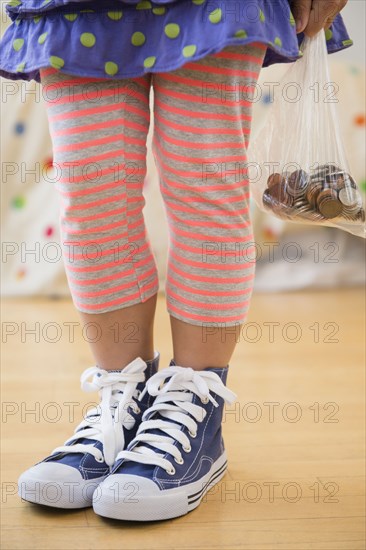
(272, 461)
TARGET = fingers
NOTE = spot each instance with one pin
(301, 12)
(329, 22)
(322, 14)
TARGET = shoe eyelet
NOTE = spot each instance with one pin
(137, 410)
(187, 449)
(205, 400)
(180, 461)
(100, 460)
(138, 393)
(171, 472)
(193, 435)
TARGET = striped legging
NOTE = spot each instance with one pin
(202, 117)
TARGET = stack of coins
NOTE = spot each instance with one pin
(351, 201)
(312, 192)
(276, 198)
(328, 204)
(327, 193)
(297, 184)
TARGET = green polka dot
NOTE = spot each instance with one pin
(172, 30)
(14, 3)
(138, 38)
(278, 41)
(115, 15)
(261, 16)
(241, 33)
(20, 67)
(17, 21)
(190, 50)
(46, 2)
(143, 6)
(215, 16)
(111, 68)
(158, 11)
(149, 62)
(328, 34)
(56, 62)
(292, 20)
(70, 16)
(198, 2)
(42, 38)
(18, 202)
(87, 39)
(18, 44)
(37, 18)
(347, 42)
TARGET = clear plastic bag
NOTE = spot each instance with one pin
(298, 169)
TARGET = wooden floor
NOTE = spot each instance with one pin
(294, 439)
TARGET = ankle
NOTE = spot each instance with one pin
(198, 365)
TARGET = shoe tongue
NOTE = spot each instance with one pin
(137, 365)
(220, 371)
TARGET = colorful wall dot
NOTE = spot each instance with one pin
(360, 119)
(48, 163)
(21, 273)
(49, 231)
(19, 128)
(266, 99)
(18, 202)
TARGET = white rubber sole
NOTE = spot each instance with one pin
(57, 488)
(134, 498)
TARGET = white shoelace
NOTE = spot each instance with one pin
(105, 422)
(175, 405)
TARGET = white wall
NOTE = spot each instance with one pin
(354, 15)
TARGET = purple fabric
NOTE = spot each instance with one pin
(124, 39)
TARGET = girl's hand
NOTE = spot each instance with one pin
(313, 15)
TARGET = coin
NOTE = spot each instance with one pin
(361, 215)
(328, 204)
(297, 183)
(351, 181)
(273, 179)
(312, 192)
(324, 169)
(336, 181)
(350, 197)
(279, 195)
(267, 199)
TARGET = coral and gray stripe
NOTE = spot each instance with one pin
(202, 118)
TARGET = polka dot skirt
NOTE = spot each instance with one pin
(121, 39)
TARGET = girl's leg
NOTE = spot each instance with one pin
(202, 116)
(98, 129)
(202, 123)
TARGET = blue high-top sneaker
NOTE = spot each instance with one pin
(178, 453)
(69, 476)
